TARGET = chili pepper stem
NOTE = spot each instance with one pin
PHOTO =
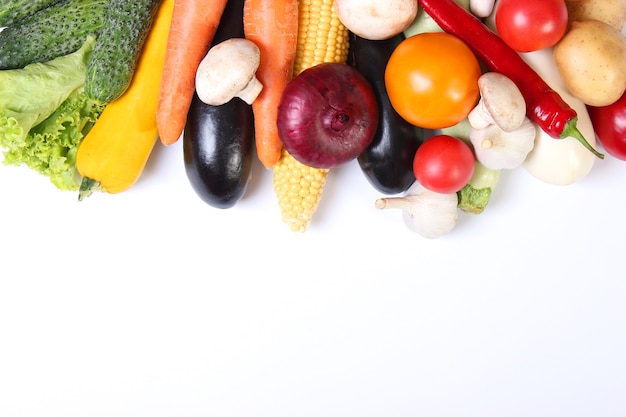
(571, 130)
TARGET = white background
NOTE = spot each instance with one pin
(151, 303)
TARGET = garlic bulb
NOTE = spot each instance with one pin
(497, 149)
(425, 212)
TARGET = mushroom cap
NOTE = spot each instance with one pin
(375, 19)
(227, 68)
(503, 99)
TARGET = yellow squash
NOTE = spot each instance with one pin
(114, 153)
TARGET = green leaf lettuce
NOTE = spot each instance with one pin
(44, 115)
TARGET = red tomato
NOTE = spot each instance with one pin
(609, 123)
(444, 164)
(432, 80)
(530, 25)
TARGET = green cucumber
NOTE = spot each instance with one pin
(51, 32)
(12, 11)
(119, 44)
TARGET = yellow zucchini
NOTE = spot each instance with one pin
(114, 153)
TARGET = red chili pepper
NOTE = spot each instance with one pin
(544, 106)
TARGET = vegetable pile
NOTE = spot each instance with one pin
(432, 98)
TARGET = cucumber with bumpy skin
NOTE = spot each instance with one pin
(119, 44)
(12, 11)
(51, 32)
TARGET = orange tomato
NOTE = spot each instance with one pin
(432, 80)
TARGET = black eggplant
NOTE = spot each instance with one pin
(388, 162)
(218, 141)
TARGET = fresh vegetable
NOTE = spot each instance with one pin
(114, 153)
(218, 147)
(328, 115)
(591, 58)
(476, 194)
(460, 130)
(375, 19)
(482, 8)
(612, 12)
(498, 149)
(12, 11)
(544, 106)
(118, 47)
(298, 186)
(424, 23)
(387, 162)
(273, 27)
(609, 123)
(425, 212)
(218, 80)
(193, 27)
(432, 80)
(559, 162)
(44, 115)
(530, 25)
(218, 140)
(443, 164)
(501, 103)
(50, 33)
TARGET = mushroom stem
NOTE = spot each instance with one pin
(479, 117)
(501, 103)
(251, 91)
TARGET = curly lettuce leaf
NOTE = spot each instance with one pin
(50, 147)
(44, 114)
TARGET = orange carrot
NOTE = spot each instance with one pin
(273, 26)
(192, 29)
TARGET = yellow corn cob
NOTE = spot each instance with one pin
(321, 38)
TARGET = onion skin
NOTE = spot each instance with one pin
(328, 115)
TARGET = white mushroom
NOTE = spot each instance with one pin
(229, 70)
(497, 149)
(501, 103)
(482, 8)
(376, 19)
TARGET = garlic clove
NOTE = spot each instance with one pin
(482, 8)
(497, 149)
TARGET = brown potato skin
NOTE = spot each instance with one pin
(612, 12)
(591, 58)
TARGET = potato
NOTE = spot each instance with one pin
(591, 58)
(612, 12)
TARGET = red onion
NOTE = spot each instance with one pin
(328, 115)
